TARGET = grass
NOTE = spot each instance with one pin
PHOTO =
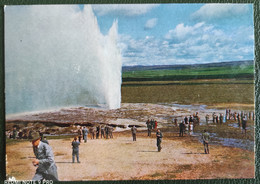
(191, 73)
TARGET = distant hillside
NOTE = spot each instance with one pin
(187, 66)
(223, 70)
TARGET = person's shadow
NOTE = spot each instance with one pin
(193, 153)
(147, 151)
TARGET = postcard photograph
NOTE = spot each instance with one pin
(101, 92)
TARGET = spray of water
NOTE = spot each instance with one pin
(56, 56)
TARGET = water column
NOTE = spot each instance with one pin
(56, 56)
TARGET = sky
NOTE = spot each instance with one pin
(166, 34)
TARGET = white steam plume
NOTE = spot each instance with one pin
(56, 56)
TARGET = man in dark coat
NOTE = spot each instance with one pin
(107, 131)
(80, 134)
(102, 132)
(97, 132)
(47, 168)
(159, 139)
(182, 128)
(244, 122)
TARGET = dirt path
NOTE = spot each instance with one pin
(122, 159)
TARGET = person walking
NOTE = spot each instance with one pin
(85, 134)
(46, 167)
(75, 150)
(133, 129)
(205, 138)
(159, 139)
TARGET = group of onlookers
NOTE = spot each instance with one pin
(151, 125)
(97, 132)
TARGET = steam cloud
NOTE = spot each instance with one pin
(56, 56)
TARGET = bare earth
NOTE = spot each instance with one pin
(122, 159)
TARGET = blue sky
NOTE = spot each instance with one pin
(162, 34)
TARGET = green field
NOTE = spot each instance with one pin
(208, 85)
(223, 72)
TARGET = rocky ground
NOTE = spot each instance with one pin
(66, 120)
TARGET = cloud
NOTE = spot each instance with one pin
(181, 31)
(219, 11)
(189, 44)
(151, 23)
(123, 9)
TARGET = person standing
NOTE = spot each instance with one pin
(46, 167)
(159, 139)
(92, 132)
(205, 138)
(182, 127)
(190, 119)
(133, 129)
(85, 134)
(244, 122)
(149, 129)
(75, 150)
(221, 118)
(217, 119)
(238, 119)
(107, 131)
(186, 120)
(175, 121)
(207, 118)
(147, 123)
(102, 132)
(214, 117)
(156, 124)
(110, 129)
(191, 128)
(80, 134)
(97, 132)
(14, 133)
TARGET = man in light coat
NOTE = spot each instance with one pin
(46, 167)
(85, 134)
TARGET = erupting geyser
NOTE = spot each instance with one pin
(56, 56)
